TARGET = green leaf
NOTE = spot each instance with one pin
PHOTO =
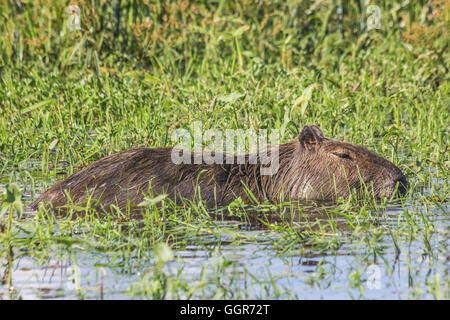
(152, 201)
(304, 99)
(162, 253)
(13, 199)
(240, 31)
(232, 97)
(38, 105)
(18, 206)
(53, 144)
(13, 193)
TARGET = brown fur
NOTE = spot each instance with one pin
(311, 167)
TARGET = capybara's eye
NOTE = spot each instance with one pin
(343, 155)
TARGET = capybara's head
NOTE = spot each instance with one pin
(327, 169)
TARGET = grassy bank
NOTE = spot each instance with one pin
(137, 70)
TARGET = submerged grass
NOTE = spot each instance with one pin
(136, 71)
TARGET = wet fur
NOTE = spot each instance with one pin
(310, 167)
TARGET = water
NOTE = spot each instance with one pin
(408, 258)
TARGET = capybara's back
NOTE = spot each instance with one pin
(311, 167)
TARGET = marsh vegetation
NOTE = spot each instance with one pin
(135, 71)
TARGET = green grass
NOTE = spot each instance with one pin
(68, 98)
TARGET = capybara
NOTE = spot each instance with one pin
(310, 167)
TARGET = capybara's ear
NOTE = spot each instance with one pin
(310, 137)
(318, 132)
